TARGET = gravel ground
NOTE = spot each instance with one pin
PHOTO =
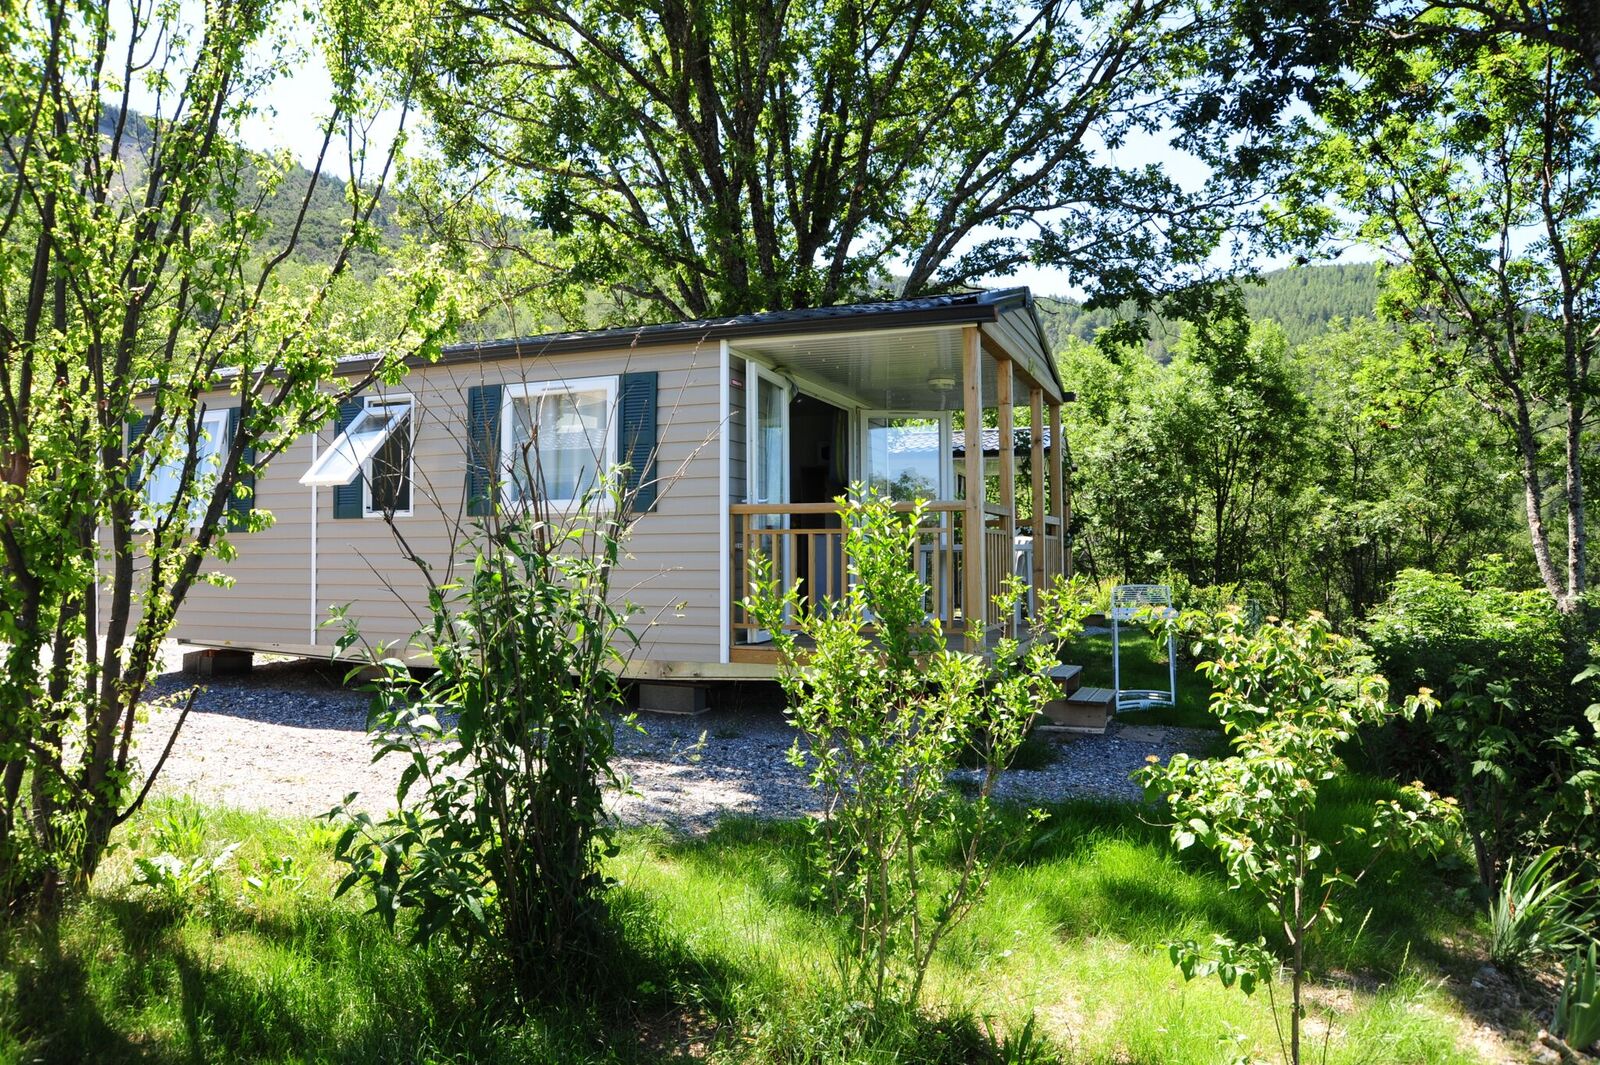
(289, 738)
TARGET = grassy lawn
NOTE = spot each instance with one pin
(1144, 665)
(725, 957)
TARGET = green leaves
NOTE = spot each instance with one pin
(500, 829)
(1471, 161)
(159, 347)
(1288, 695)
(1511, 738)
(886, 712)
(1245, 964)
(713, 159)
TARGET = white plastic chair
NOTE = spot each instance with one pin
(1127, 602)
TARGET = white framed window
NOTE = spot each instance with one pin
(387, 475)
(161, 485)
(907, 454)
(342, 461)
(558, 432)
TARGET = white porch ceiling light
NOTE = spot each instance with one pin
(941, 384)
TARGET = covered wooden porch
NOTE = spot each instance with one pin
(981, 522)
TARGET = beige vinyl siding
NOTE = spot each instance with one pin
(672, 571)
(1017, 330)
(269, 600)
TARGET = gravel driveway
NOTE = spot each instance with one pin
(289, 738)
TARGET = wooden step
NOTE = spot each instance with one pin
(1086, 710)
(1067, 678)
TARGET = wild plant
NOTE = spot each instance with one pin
(273, 877)
(886, 712)
(1536, 914)
(181, 881)
(1288, 694)
(1577, 1019)
(500, 827)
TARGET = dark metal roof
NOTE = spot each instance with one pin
(959, 308)
(1021, 436)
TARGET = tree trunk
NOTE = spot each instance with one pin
(1577, 526)
(1533, 500)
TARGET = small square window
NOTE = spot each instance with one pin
(162, 484)
(388, 472)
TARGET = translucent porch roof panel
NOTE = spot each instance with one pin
(901, 369)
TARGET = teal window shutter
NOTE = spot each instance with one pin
(347, 497)
(243, 498)
(483, 447)
(135, 466)
(636, 437)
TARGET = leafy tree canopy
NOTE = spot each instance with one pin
(712, 157)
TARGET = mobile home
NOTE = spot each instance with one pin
(739, 431)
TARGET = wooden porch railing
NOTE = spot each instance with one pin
(805, 544)
(1051, 543)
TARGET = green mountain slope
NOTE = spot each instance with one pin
(1302, 299)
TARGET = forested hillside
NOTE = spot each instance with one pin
(1302, 300)
(327, 213)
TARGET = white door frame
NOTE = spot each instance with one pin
(759, 376)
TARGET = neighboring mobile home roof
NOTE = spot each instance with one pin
(907, 439)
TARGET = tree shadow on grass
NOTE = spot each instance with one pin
(56, 1014)
(765, 855)
(356, 993)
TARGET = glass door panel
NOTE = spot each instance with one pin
(907, 456)
(768, 474)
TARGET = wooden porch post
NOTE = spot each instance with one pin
(1036, 471)
(1061, 498)
(1005, 405)
(974, 609)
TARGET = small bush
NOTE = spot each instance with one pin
(500, 829)
(887, 712)
(1513, 739)
(1289, 695)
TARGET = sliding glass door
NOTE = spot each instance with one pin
(906, 455)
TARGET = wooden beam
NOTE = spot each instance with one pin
(1036, 480)
(1061, 491)
(974, 609)
(1005, 406)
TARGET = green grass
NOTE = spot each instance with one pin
(1144, 665)
(728, 956)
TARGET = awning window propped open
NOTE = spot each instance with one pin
(342, 461)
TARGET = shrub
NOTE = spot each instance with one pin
(1513, 740)
(1288, 695)
(501, 830)
(887, 712)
